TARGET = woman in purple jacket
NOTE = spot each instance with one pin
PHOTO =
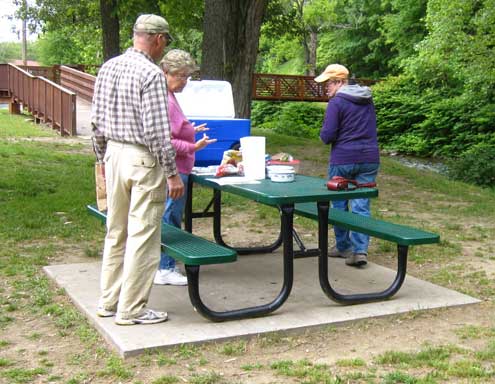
(178, 66)
(350, 127)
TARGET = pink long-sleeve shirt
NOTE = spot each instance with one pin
(182, 136)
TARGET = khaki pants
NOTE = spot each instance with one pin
(136, 195)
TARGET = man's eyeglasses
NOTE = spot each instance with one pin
(167, 38)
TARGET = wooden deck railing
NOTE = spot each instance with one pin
(4, 81)
(287, 87)
(46, 101)
(290, 87)
(51, 73)
(53, 103)
(77, 81)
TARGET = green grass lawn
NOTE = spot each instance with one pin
(45, 183)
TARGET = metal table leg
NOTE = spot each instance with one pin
(287, 213)
(357, 298)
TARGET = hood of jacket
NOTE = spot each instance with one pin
(355, 94)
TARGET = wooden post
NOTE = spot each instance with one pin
(14, 107)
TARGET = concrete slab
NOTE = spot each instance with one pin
(251, 280)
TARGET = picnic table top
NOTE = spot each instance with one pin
(302, 189)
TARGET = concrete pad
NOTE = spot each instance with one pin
(252, 280)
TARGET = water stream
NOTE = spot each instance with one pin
(429, 164)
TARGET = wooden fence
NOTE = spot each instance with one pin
(45, 100)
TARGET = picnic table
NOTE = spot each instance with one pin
(306, 196)
(284, 196)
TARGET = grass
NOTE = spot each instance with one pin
(45, 183)
(233, 348)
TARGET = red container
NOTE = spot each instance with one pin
(294, 163)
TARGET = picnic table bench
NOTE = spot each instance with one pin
(402, 235)
(195, 251)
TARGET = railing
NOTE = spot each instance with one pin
(265, 86)
(290, 87)
(51, 73)
(53, 103)
(4, 81)
(77, 81)
(287, 87)
(46, 101)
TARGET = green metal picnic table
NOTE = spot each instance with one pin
(304, 189)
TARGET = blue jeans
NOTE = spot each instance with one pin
(362, 173)
(173, 215)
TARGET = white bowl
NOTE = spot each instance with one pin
(270, 169)
(281, 173)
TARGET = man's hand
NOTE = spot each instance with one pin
(175, 187)
(101, 170)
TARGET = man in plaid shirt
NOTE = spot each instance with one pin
(131, 136)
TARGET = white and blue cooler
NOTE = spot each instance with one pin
(211, 102)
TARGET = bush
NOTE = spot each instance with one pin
(430, 122)
(476, 165)
(264, 111)
(409, 144)
(300, 119)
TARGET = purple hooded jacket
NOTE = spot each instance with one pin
(350, 126)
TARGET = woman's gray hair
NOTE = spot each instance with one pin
(177, 60)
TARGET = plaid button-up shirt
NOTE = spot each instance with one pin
(130, 106)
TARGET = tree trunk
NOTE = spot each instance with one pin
(110, 27)
(313, 45)
(230, 46)
(305, 44)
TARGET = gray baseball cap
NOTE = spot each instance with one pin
(151, 24)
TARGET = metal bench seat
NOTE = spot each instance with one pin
(396, 233)
(195, 251)
(402, 235)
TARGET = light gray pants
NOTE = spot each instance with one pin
(135, 196)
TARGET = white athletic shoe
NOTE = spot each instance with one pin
(102, 312)
(169, 277)
(147, 316)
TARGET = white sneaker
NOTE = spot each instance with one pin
(169, 277)
(147, 316)
(102, 312)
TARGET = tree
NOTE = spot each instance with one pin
(70, 31)
(10, 51)
(304, 21)
(356, 40)
(230, 46)
(110, 28)
(403, 28)
(99, 28)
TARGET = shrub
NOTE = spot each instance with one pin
(409, 144)
(264, 111)
(476, 165)
(430, 122)
(300, 119)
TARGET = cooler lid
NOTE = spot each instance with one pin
(207, 99)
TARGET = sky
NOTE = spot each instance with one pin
(7, 8)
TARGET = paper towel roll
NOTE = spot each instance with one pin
(253, 156)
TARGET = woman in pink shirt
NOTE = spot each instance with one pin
(178, 66)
